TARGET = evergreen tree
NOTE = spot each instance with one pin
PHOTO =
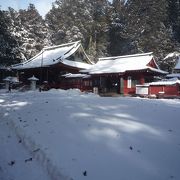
(120, 42)
(33, 31)
(99, 35)
(8, 44)
(67, 21)
(79, 20)
(148, 27)
(174, 18)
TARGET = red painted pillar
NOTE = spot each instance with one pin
(142, 80)
(125, 87)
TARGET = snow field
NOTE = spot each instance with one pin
(37, 153)
(33, 148)
(15, 160)
(83, 136)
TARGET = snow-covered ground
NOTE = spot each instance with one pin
(71, 135)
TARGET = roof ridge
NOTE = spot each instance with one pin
(125, 56)
(61, 45)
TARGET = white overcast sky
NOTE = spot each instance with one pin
(43, 6)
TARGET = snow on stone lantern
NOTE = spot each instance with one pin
(7, 82)
(33, 80)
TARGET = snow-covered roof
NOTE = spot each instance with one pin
(173, 75)
(2, 67)
(33, 78)
(52, 55)
(69, 75)
(178, 64)
(171, 55)
(121, 64)
(165, 82)
(11, 79)
(7, 78)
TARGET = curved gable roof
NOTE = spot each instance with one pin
(53, 55)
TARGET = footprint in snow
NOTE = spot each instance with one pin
(170, 130)
(74, 159)
(27, 160)
(36, 150)
(11, 163)
(26, 125)
(85, 173)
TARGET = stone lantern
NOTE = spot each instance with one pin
(33, 80)
(10, 81)
(7, 82)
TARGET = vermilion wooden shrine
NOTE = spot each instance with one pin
(67, 66)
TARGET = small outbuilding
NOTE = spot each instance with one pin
(161, 89)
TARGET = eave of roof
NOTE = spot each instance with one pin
(158, 70)
(74, 64)
(173, 75)
(69, 75)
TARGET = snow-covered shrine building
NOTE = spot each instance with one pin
(52, 62)
(67, 66)
(121, 74)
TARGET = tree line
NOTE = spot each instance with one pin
(105, 29)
